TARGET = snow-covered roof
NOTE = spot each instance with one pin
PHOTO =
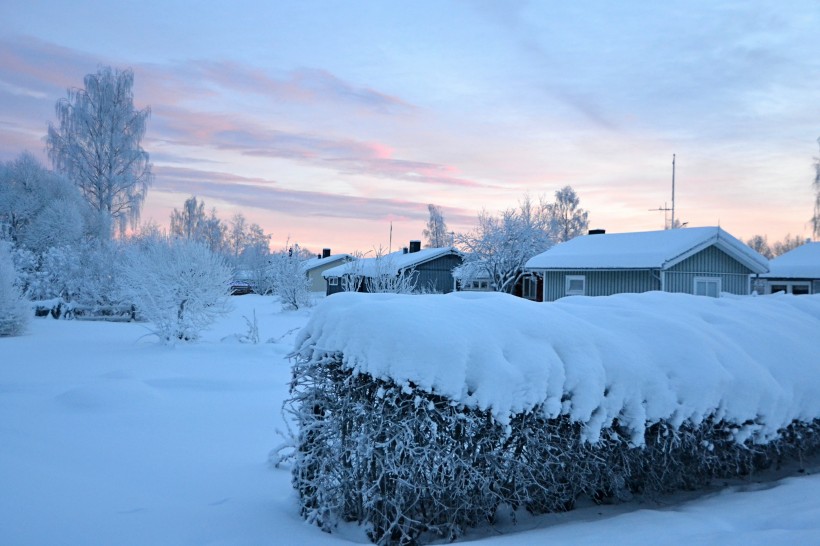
(391, 263)
(638, 358)
(802, 262)
(644, 250)
(313, 263)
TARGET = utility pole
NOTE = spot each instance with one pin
(390, 247)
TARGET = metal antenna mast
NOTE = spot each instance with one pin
(666, 209)
(673, 191)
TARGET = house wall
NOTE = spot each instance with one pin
(709, 262)
(601, 283)
(437, 275)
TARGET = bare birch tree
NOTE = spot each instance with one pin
(96, 144)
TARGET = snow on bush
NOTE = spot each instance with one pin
(14, 311)
(178, 285)
(290, 282)
(420, 416)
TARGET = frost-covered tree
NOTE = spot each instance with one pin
(188, 223)
(14, 311)
(96, 144)
(289, 279)
(435, 234)
(569, 220)
(38, 208)
(178, 285)
(501, 245)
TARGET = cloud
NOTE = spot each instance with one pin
(264, 194)
(345, 156)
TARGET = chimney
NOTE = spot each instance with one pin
(319, 256)
(325, 253)
(597, 231)
(415, 246)
(404, 250)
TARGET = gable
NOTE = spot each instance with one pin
(711, 260)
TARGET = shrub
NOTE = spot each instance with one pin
(178, 285)
(414, 466)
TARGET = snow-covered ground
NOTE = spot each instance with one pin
(107, 437)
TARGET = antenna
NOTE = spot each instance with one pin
(673, 191)
(664, 208)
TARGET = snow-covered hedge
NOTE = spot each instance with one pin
(420, 416)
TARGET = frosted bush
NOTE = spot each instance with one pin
(14, 310)
(178, 285)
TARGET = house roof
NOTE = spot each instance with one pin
(391, 263)
(644, 250)
(313, 263)
(802, 262)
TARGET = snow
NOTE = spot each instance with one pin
(391, 263)
(313, 263)
(640, 358)
(108, 437)
(802, 262)
(643, 250)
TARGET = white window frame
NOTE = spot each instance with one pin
(789, 286)
(710, 280)
(568, 282)
(333, 281)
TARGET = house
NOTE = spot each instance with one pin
(314, 267)
(473, 277)
(703, 261)
(795, 272)
(430, 269)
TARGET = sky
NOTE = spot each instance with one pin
(328, 122)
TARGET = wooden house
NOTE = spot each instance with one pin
(428, 270)
(795, 272)
(702, 261)
(314, 267)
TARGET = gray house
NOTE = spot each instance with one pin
(795, 272)
(703, 261)
(430, 269)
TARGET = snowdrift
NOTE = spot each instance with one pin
(421, 415)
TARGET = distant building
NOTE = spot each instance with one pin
(431, 269)
(702, 261)
(795, 272)
(314, 267)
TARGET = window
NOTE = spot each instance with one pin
(529, 288)
(576, 285)
(333, 281)
(707, 286)
(796, 288)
